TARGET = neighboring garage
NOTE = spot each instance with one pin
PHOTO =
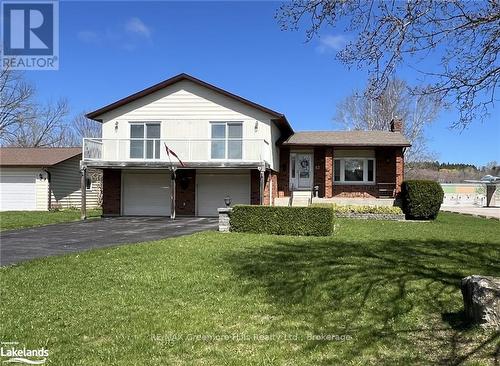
(43, 178)
(146, 194)
(18, 189)
(212, 188)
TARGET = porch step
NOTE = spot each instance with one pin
(301, 198)
(301, 201)
(282, 201)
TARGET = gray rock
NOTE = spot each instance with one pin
(482, 300)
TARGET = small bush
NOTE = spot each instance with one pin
(307, 221)
(358, 209)
(421, 199)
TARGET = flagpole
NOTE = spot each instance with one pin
(172, 184)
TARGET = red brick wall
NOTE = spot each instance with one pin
(329, 172)
(283, 180)
(319, 170)
(185, 192)
(400, 169)
(111, 192)
(271, 179)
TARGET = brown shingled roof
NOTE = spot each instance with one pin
(40, 156)
(348, 138)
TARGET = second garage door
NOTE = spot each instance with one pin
(146, 194)
(211, 189)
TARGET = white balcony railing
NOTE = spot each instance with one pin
(194, 150)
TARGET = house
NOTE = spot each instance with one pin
(228, 146)
(44, 178)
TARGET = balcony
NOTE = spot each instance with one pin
(150, 152)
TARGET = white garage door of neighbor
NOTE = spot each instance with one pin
(146, 194)
(17, 192)
(213, 188)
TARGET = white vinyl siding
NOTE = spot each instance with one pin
(185, 111)
(66, 186)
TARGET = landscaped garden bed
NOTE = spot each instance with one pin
(365, 212)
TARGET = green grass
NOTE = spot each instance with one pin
(391, 289)
(10, 220)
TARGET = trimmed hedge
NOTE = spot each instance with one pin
(421, 199)
(307, 221)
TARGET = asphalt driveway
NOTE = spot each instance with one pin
(25, 244)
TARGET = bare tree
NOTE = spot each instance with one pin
(40, 126)
(84, 127)
(15, 101)
(464, 34)
(360, 111)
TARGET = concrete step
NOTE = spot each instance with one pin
(307, 194)
(282, 201)
(301, 201)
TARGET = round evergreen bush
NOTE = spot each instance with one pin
(421, 199)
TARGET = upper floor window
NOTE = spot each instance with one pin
(144, 140)
(226, 140)
(354, 170)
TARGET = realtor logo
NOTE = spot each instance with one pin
(30, 35)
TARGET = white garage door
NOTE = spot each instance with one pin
(146, 194)
(211, 190)
(17, 192)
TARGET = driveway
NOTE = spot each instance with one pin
(487, 212)
(25, 244)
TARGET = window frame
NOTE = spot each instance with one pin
(226, 139)
(145, 140)
(365, 180)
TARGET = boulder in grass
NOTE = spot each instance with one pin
(482, 300)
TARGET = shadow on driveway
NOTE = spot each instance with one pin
(25, 244)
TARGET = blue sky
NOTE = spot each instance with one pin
(109, 50)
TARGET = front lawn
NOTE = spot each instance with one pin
(377, 292)
(10, 220)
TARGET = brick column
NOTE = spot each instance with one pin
(319, 170)
(283, 182)
(111, 192)
(271, 179)
(328, 172)
(400, 169)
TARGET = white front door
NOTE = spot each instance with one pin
(300, 171)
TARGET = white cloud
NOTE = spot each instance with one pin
(129, 35)
(331, 43)
(137, 26)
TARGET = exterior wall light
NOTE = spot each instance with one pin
(116, 125)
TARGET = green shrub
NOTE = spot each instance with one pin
(421, 199)
(308, 221)
(358, 209)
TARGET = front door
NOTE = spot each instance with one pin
(300, 171)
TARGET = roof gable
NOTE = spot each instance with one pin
(278, 118)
